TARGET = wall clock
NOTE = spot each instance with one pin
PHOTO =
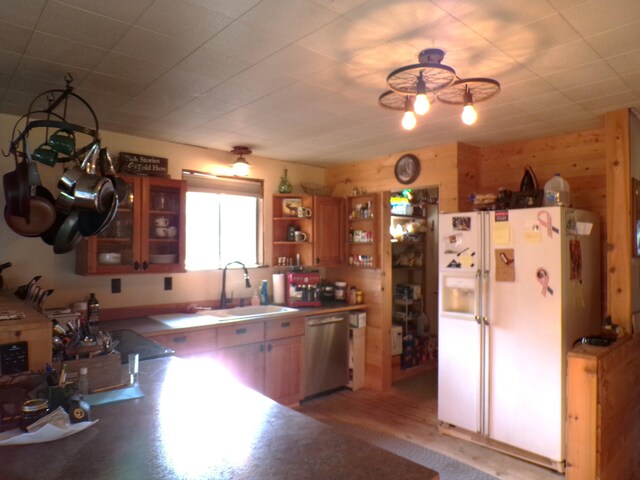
(407, 169)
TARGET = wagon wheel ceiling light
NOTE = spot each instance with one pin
(241, 166)
(413, 88)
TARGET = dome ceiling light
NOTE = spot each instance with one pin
(241, 166)
(415, 87)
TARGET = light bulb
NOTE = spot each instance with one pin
(421, 105)
(409, 120)
(469, 114)
(240, 167)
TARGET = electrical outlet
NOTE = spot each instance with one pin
(168, 283)
(116, 285)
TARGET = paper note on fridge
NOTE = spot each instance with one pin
(584, 228)
(532, 232)
(501, 233)
(452, 243)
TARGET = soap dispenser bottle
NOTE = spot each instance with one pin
(264, 295)
(255, 299)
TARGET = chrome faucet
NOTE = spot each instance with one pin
(223, 296)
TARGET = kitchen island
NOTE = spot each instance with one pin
(196, 422)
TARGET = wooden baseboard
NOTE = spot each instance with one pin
(463, 434)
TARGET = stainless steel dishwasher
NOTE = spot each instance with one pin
(326, 352)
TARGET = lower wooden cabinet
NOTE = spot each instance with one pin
(267, 356)
(273, 367)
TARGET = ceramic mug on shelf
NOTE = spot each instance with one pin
(161, 222)
(161, 232)
(304, 212)
(300, 236)
(171, 232)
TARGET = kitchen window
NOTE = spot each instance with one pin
(224, 221)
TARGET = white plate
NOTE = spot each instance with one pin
(168, 258)
(109, 258)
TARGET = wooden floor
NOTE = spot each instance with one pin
(409, 411)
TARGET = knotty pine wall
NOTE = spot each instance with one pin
(459, 170)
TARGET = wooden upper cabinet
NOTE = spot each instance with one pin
(328, 228)
(147, 234)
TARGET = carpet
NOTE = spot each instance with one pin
(447, 467)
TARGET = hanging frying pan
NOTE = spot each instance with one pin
(67, 236)
(16, 188)
(92, 223)
(42, 212)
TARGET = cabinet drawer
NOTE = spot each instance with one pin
(188, 343)
(240, 334)
(284, 327)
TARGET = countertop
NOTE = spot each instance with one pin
(145, 325)
(196, 422)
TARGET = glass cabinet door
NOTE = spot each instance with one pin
(115, 246)
(163, 225)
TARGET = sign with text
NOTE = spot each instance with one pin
(136, 164)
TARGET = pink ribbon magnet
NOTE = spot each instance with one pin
(544, 218)
(543, 279)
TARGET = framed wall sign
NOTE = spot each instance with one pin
(137, 164)
(407, 169)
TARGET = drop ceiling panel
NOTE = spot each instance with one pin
(300, 79)
(82, 26)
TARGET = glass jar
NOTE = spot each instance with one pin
(340, 291)
(33, 410)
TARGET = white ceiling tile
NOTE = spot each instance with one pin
(632, 80)
(583, 74)
(181, 120)
(527, 40)
(8, 62)
(291, 19)
(246, 43)
(616, 41)
(147, 108)
(342, 39)
(50, 72)
(183, 20)
(79, 25)
(342, 6)
(402, 17)
(14, 38)
(124, 10)
(179, 86)
(230, 8)
(296, 62)
(64, 51)
(110, 84)
(22, 13)
(560, 58)
(615, 101)
(130, 68)
(215, 65)
(153, 47)
(625, 63)
(597, 16)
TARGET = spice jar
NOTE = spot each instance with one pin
(351, 296)
(33, 410)
(359, 297)
(340, 291)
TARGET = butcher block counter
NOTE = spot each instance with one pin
(186, 427)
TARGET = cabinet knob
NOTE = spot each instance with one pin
(285, 324)
(136, 266)
(145, 265)
(240, 331)
(180, 339)
(261, 347)
(269, 348)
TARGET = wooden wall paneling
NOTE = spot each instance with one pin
(582, 417)
(468, 175)
(603, 421)
(619, 254)
(619, 404)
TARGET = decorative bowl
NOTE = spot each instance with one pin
(109, 258)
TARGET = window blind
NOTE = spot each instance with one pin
(205, 182)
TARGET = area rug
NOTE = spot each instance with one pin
(447, 467)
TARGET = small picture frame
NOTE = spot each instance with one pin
(290, 206)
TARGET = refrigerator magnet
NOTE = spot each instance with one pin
(543, 279)
(544, 218)
(532, 232)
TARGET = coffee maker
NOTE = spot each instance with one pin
(303, 289)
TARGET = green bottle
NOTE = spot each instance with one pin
(285, 184)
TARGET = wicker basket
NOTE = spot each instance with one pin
(316, 189)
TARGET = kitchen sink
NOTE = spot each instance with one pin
(249, 311)
(212, 317)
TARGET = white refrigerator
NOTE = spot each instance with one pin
(516, 289)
